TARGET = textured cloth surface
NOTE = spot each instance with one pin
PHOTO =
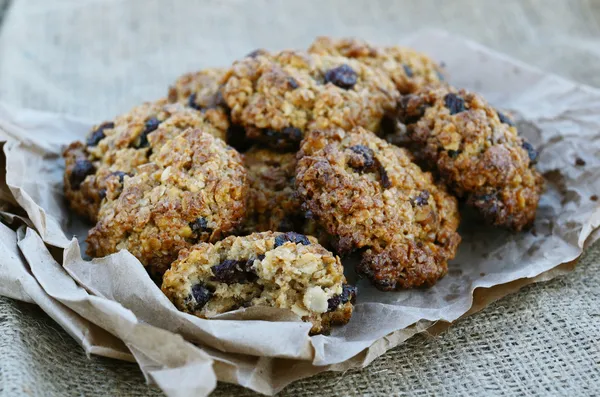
(542, 340)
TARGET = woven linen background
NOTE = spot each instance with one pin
(96, 58)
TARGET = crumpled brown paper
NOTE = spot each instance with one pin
(271, 348)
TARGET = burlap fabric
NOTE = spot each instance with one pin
(543, 340)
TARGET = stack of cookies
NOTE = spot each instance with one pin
(235, 189)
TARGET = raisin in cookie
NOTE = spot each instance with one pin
(97, 168)
(285, 270)
(409, 69)
(194, 190)
(477, 152)
(371, 196)
(277, 97)
(200, 91)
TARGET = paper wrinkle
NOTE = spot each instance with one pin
(17, 282)
(558, 116)
(168, 350)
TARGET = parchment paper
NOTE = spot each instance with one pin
(271, 348)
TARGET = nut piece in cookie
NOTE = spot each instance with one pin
(194, 190)
(285, 270)
(409, 69)
(96, 169)
(477, 151)
(278, 97)
(371, 197)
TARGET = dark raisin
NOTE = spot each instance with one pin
(293, 134)
(81, 170)
(531, 152)
(580, 162)
(504, 118)
(364, 160)
(453, 153)
(333, 303)
(293, 83)
(348, 295)
(407, 70)
(102, 194)
(256, 53)
(151, 125)
(121, 175)
(98, 134)
(454, 103)
(192, 102)
(260, 257)
(199, 226)
(594, 197)
(421, 199)
(343, 76)
(199, 297)
(294, 237)
(385, 179)
(487, 204)
(285, 139)
(232, 271)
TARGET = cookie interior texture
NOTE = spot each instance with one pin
(284, 270)
(477, 151)
(278, 97)
(95, 169)
(373, 198)
(194, 190)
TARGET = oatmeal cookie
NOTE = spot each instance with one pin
(285, 270)
(272, 204)
(97, 168)
(277, 97)
(373, 198)
(200, 91)
(409, 69)
(194, 190)
(477, 152)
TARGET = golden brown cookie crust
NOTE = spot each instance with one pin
(277, 97)
(409, 69)
(285, 270)
(372, 197)
(194, 190)
(200, 90)
(477, 152)
(95, 169)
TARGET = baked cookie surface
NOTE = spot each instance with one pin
(278, 97)
(285, 270)
(95, 169)
(409, 70)
(272, 204)
(200, 90)
(477, 152)
(194, 190)
(371, 197)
